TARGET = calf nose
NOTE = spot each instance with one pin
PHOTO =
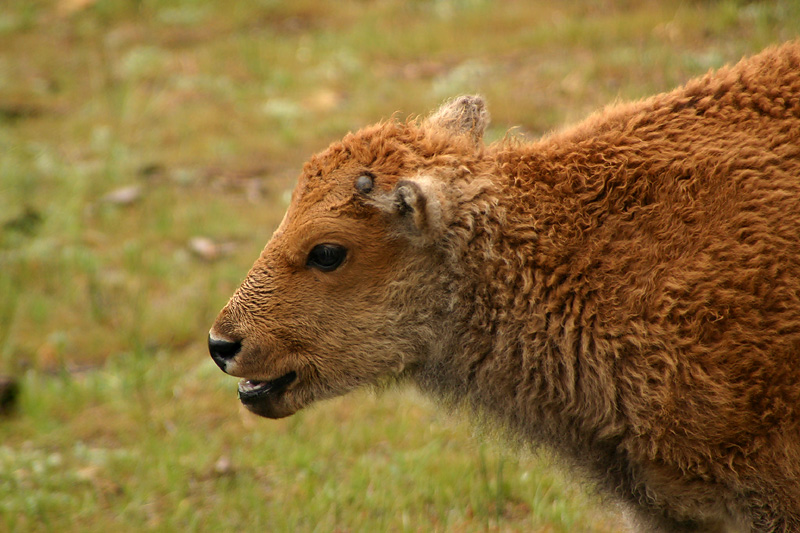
(223, 351)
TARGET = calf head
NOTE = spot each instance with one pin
(353, 286)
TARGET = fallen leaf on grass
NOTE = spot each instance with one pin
(124, 195)
(224, 466)
(208, 250)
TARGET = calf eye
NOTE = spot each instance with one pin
(326, 257)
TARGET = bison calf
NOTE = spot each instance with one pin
(627, 290)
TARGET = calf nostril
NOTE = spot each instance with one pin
(223, 351)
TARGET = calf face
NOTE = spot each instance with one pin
(349, 289)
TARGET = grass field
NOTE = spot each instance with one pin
(147, 150)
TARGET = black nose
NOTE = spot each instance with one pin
(223, 351)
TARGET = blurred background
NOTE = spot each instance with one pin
(148, 149)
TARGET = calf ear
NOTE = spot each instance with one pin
(462, 116)
(420, 207)
(427, 211)
(415, 207)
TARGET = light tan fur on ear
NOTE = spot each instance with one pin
(463, 115)
(416, 206)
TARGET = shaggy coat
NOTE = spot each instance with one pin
(627, 290)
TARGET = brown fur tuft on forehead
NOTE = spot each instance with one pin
(389, 150)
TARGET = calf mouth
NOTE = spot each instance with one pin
(263, 397)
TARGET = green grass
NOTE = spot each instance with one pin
(209, 109)
(123, 448)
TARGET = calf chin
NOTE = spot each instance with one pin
(269, 408)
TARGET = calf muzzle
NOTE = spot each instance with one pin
(223, 351)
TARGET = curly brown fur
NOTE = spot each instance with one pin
(627, 290)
